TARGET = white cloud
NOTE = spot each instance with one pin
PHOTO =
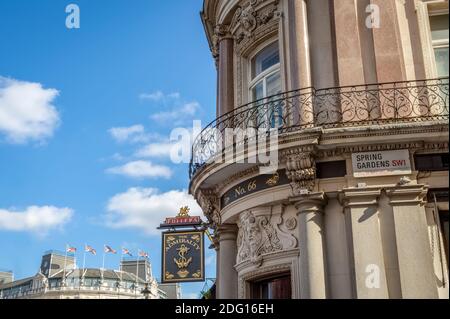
(27, 112)
(155, 96)
(159, 96)
(175, 108)
(155, 150)
(133, 134)
(145, 208)
(35, 219)
(178, 113)
(141, 169)
(123, 134)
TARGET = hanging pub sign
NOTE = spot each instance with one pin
(183, 253)
(183, 257)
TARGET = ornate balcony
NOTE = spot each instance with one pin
(352, 106)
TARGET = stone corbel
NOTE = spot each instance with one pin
(210, 205)
(301, 170)
(221, 31)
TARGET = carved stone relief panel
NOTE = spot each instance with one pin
(264, 231)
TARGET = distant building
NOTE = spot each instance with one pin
(6, 277)
(173, 291)
(59, 278)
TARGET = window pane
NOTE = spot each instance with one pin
(265, 59)
(442, 61)
(258, 91)
(439, 27)
(274, 84)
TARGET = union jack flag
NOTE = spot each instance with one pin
(143, 254)
(108, 249)
(91, 250)
(126, 252)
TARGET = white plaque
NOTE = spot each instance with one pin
(382, 163)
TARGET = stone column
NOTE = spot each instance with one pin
(225, 77)
(349, 55)
(366, 248)
(216, 245)
(390, 63)
(413, 244)
(297, 25)
(227, 287)
(310, 209)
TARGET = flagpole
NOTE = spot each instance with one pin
(137, 273)
(65, 265)
(103, 264)
(121, 264)
(84, 262)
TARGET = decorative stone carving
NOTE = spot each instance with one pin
(259, 235)
(291, 223)
(249, 17)
(209, 203)
(220, 31)
(404, 180)
(301, 170)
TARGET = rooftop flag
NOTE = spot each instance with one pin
(143, 254)
(91, 250)
(71, 249)
(108, 249)
(126, 252)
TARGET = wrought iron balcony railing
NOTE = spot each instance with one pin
(411, 101)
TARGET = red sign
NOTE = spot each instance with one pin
(183, 220)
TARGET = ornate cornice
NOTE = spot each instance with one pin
(411, 146)
(385, 131)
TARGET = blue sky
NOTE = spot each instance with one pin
(85, 118)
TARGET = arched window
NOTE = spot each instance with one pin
(266, 80)
(265, 84)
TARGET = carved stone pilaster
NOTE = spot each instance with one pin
(301, 170)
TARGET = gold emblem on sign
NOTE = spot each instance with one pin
(169, 275)
(196, 238)
(184, 212)
(182, 262)
(198, 274)
(273, 180)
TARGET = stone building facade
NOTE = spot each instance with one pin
(356, 94)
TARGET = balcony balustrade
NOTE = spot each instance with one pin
(339, 107)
